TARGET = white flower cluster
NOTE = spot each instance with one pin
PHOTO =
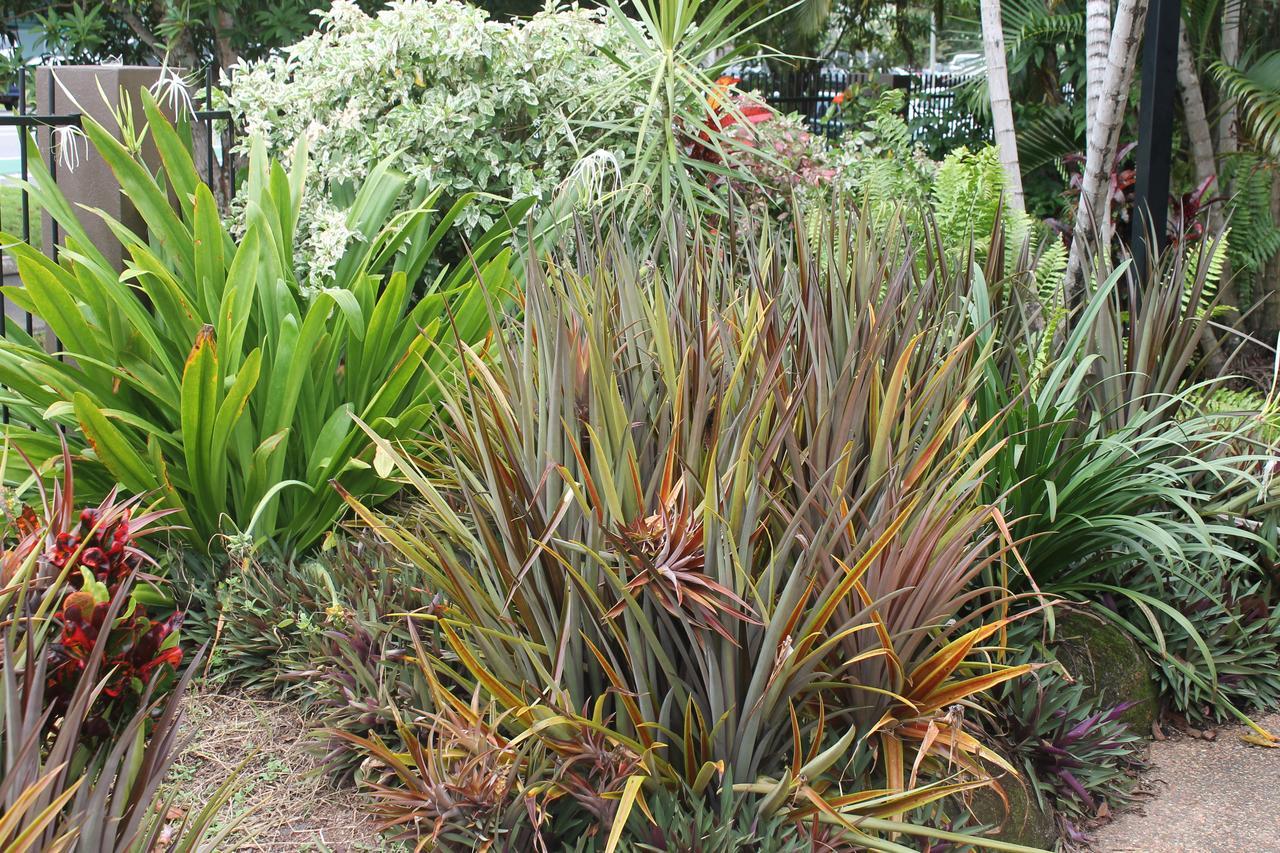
(463, 102)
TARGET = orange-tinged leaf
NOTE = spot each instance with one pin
(478, 670)
(953, 692)
(942, 663)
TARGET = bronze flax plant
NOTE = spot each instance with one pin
(717, 501)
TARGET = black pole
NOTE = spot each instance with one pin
(1155, 132)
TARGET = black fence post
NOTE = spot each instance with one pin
(1155, 133)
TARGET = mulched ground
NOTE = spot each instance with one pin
(284, 805)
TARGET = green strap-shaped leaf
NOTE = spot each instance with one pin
(350, 308)
(112, 448)
(199, 406)
(209, 242)
(237, 299)
(146, 195)
(58, 309)
(229, 414)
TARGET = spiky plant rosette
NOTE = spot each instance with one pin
(1235, 613)
(713, 510)
(326, 629)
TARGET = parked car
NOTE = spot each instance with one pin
(965, 63)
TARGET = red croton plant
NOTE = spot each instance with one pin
(1185, 224)
(83, 561)
(763, 155)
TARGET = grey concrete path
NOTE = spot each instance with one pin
(1220, 796)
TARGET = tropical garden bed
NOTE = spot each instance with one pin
(552, 446)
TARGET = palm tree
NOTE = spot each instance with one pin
(1097, 32)
(1228, 131)
(1093, 216)
(1001, 104)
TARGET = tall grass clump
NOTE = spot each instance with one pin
(1127, 487)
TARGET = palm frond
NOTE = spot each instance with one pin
(1256, 88)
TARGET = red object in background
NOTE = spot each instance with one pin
(742, 112)
(86, 559)
(1185, 220)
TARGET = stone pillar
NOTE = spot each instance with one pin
(98, 91)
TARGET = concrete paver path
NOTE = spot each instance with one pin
(1220, 796)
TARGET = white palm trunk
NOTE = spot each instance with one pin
(1228, 129)
(1200, 141)
(1199, 136)
(1001, 104)
(1093, 216)
(1097, 38)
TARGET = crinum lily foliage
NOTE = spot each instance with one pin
(203, 376)
(707, 514)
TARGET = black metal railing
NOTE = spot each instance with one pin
(932, 104)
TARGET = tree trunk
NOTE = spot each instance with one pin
(1199, 136)
(1001, 104)
(1097, 35)
(1201, 140)
(226, 54)
(1269, 321)
(1093, 216)
(1228, 127)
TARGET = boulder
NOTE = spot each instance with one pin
(1111, 665)
(1026, 822)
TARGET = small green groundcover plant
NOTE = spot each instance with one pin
(203, 376)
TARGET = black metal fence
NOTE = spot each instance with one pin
(932, 103)
(42, 133)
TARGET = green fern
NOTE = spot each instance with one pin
(1240, 406)
(880, 166)
(1049, 269)
(967, 195)
(1044, 353)
(1256, 235)
(1215, 265)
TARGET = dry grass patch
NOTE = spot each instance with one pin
(285, 805)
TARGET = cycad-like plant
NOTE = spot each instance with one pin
(1256, 87)
(204, 374)
(712, 509)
